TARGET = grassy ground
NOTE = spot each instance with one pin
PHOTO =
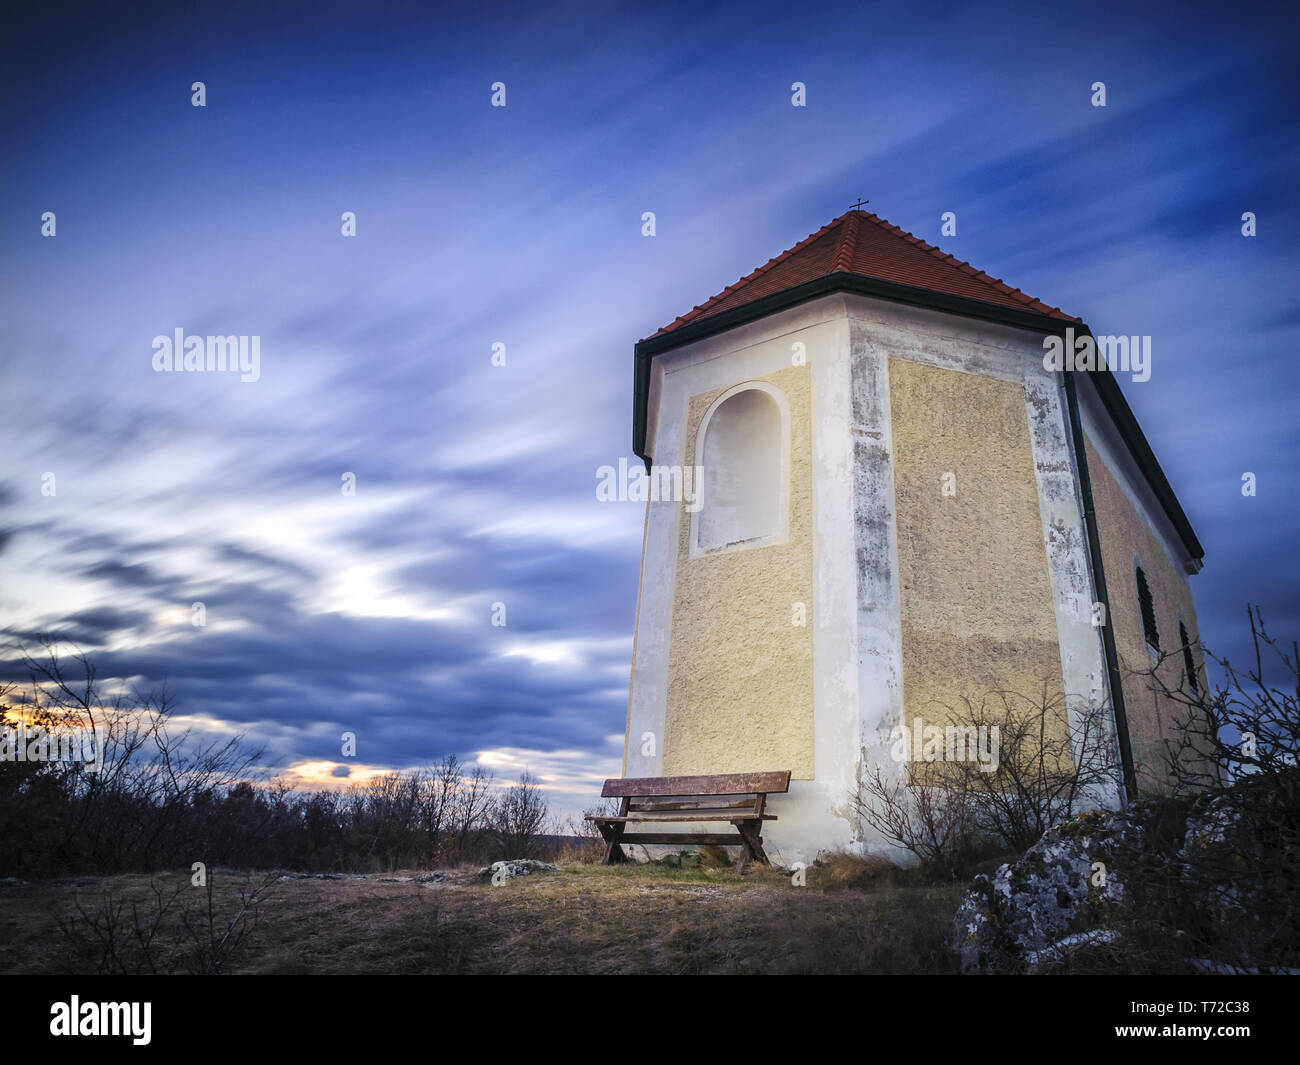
(584, 919)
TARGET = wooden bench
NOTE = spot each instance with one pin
(739, 798)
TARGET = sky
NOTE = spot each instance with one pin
(521, 226)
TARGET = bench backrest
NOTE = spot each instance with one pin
(718, 784)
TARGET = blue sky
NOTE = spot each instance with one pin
(522, 225)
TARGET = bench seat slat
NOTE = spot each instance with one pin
(716, 784)
(704, 802)
(668, 819)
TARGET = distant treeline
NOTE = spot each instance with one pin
(162, 799)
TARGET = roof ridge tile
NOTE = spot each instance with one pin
(848, 243)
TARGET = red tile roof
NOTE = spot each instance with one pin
(859, 242)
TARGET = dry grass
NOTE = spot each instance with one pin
(586, 919)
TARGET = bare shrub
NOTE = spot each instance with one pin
(1209, 750)
(1052, 764)
(1052, 761)
(1233, 761)
(213, 941)
(168, 932)
(932, 821)
(118, 935)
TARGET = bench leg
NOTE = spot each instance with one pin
(613, 850)
(751, 837)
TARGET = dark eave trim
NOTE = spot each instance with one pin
(1108, 389)
(840, 281)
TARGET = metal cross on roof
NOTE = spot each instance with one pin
(858, 206)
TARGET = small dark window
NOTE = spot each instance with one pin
(1189, 664)
(1149, 629)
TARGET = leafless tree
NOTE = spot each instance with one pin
(469, 809)
(444, 779)
(517, 817)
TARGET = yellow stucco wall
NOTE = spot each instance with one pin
(974, 585)
(1151, 717)
(740, 680)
